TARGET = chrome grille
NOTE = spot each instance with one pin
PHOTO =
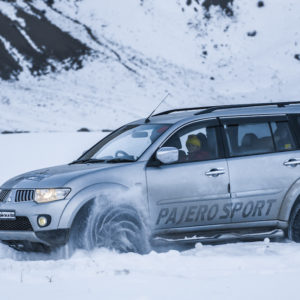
(24, 195)
(3, 195)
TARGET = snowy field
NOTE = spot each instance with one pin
(258, 270)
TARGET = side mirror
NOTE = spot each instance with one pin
(167, 155)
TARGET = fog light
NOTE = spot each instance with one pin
(43, 221)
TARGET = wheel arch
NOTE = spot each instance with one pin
(86, 197)
(291, 199)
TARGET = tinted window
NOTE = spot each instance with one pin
(296, 126)
(195, 142)
(249, 138)
(282, 136)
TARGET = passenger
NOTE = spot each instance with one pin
(195, 149)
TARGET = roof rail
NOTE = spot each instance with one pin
(208, 109)
(279, 104)
(182, 109)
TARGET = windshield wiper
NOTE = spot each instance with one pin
(88, 161)
(119, 160)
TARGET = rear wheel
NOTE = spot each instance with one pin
(294, 224)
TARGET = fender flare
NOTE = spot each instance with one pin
(289, 201)
(84, 196)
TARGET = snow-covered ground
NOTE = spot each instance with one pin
(236, 271)
(258, 270)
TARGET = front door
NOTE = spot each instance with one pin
(193, 191)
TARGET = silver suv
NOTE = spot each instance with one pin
(182, 176)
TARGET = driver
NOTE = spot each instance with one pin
(195, 149)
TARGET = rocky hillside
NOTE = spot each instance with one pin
(85, 63)
(31, 40)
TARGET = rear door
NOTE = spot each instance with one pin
(194, 192)
(263, 164)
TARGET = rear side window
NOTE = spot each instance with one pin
(258, 137)
(247, 139)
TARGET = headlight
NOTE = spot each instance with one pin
(48, 195)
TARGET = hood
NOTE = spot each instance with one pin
(57, 176)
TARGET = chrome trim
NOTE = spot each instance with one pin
(215, 172)
(189, 200)
(255, 193)
(293, 162)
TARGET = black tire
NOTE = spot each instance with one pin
(120, 229)
(294, 224)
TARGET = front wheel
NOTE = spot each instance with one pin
(120, 229)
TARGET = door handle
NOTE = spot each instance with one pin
(215, 172)
(293, 162)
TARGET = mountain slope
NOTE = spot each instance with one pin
(111, 62)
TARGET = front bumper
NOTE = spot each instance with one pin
(20, 236)
(49, 238)
(50, 235)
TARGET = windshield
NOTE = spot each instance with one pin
(126, 144)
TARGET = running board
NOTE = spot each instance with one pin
(220, 237)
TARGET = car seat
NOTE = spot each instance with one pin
(249, 144)
(204, 145)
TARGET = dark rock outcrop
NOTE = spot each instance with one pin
(40, 43)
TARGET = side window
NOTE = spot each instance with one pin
(249, 138)
(296, 127)
(196, 142)
(258, 137)
(282, 136)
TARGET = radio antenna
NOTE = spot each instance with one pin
(147, 120)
